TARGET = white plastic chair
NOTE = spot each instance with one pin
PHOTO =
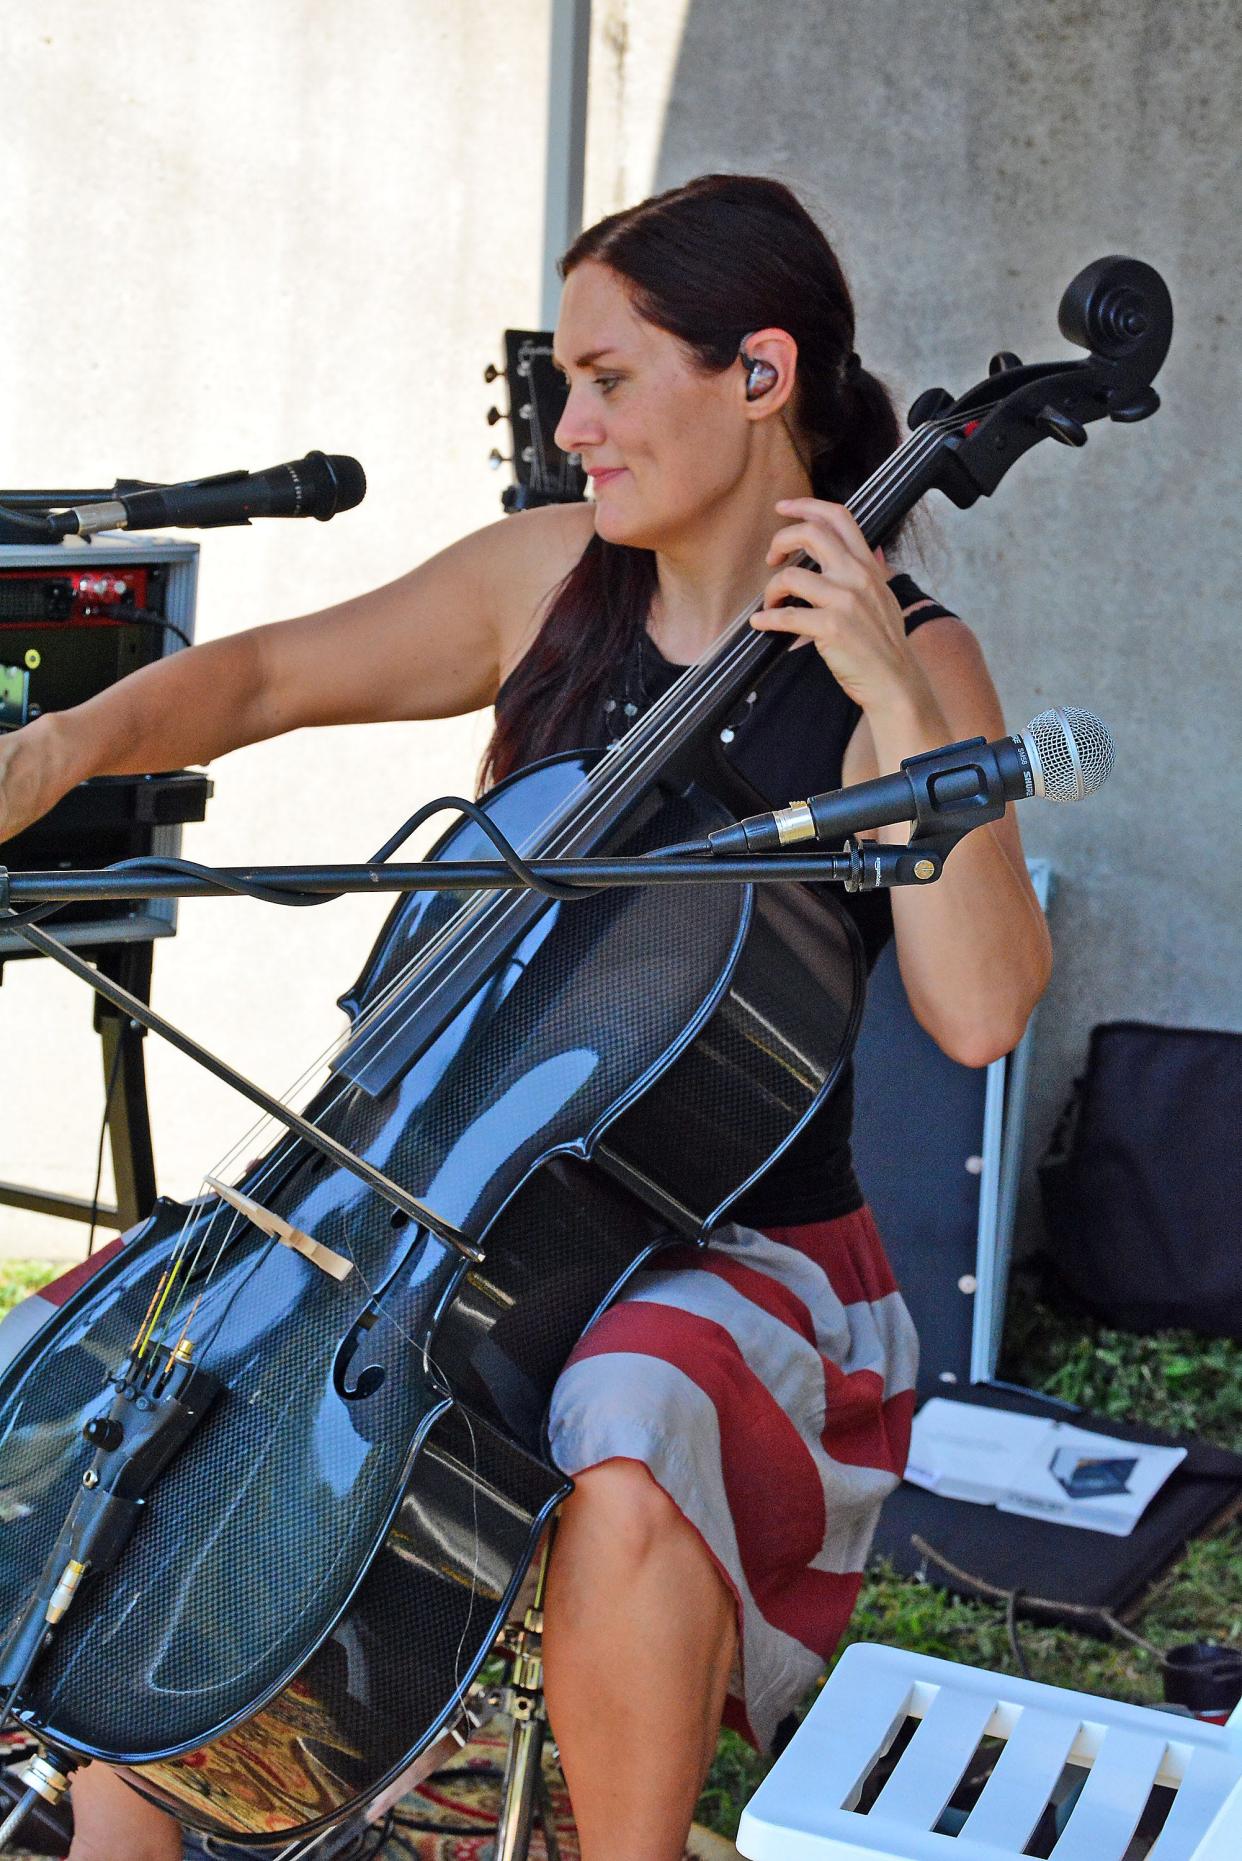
(804, 1809)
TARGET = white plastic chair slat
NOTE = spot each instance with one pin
(827, 1773)
(928, 1770)
(1015, 1795)
(799, 1813)
(1118, 1784)
(1207, 1809)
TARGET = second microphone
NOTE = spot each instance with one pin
(1063, 755)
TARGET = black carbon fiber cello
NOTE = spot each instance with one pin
(314, 1470)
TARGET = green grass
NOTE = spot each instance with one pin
(18, 1277)
(1173, 1381)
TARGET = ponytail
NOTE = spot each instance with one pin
(867, 433)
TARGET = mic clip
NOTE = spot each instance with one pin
(877, 868)
(949, 803)
(953, 791)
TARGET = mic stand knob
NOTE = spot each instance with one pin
(876, 868)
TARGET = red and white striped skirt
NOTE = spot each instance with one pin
(767, 1384)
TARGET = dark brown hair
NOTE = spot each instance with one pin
(709, 262)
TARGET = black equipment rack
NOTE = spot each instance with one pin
(75, 617)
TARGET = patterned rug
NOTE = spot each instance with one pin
(452, 1817)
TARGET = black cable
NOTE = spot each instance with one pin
(161, 865)
(399, 1841)
(551, 888)
(144, 617)
(288, 895)
(458, 1829)
(680, 850)
(6, 1710)
(38, 529)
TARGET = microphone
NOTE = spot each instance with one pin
(1063, 755)
(319, 486)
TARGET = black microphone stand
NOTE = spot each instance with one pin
(863, 866)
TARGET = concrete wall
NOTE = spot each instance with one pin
(968, 158)
(230, 233)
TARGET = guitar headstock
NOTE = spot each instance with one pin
(543, 474)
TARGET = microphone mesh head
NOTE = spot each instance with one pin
(1072, 752)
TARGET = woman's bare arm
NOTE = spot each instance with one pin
(973, 949)
(434, 643)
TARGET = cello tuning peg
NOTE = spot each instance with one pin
(496, 459)
(493, 415)
(491, 373)
(1128, 404)
(1061, 426)
(1003, 359)
(931, 403)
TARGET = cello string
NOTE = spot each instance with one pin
(694, 689)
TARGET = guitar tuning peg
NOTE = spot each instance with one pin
(496, 459)
(491, 373)
(1002, 360)
(1061, 426)
(931, 403)
(493, 415)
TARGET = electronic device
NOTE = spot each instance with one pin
(75, 618)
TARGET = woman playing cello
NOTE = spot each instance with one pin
(734, 1421)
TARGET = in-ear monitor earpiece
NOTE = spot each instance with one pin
(760, 377)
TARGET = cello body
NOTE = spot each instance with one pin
(321, 1571)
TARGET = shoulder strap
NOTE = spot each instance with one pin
(916, 606)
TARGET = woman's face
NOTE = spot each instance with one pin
(662, 440)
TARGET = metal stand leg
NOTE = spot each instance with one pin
(522, 1772)
(46, 1779)
(525, 1794)
(129, 1118)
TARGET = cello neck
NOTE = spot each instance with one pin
(710, 689)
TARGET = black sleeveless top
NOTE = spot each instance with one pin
(787, 740)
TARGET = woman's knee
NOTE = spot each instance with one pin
(112, 1821)
(618, 1503)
